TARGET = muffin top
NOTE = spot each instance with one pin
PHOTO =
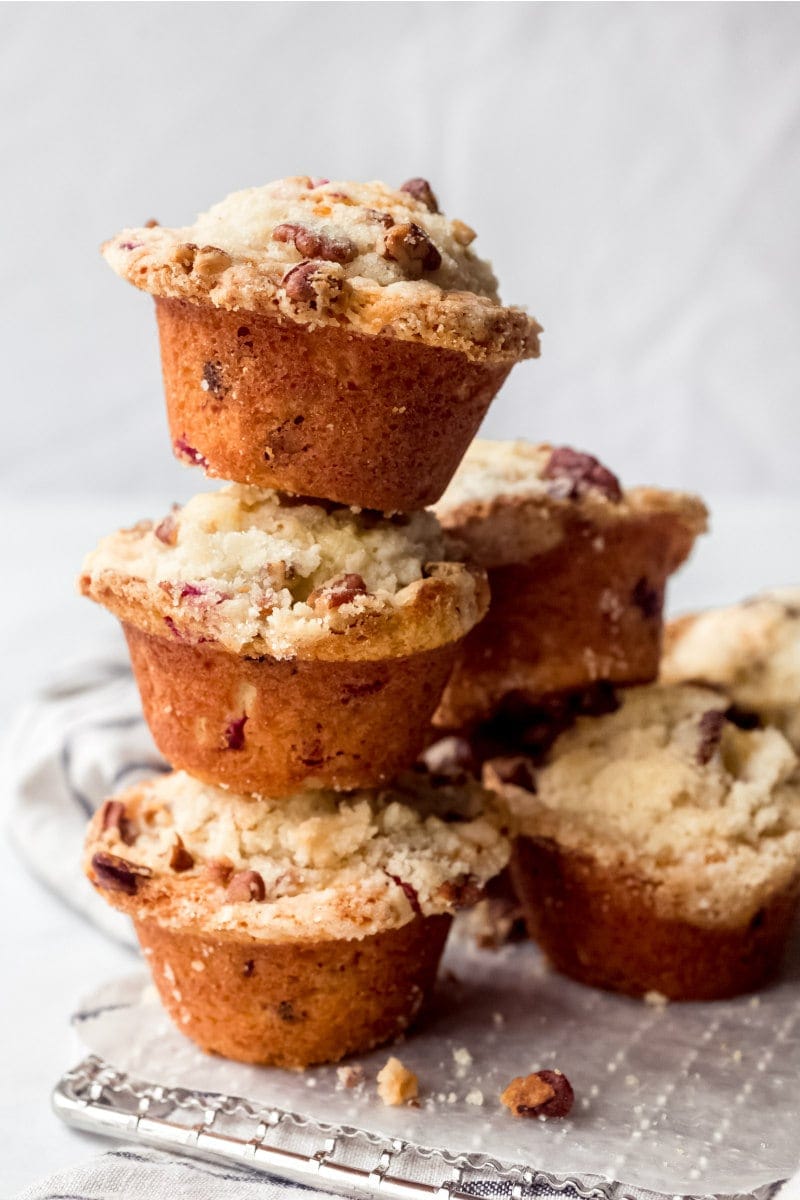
(670, 790)
(512, 501)
(366, 256)
(308, 867)
(751, 651)
(263, 573)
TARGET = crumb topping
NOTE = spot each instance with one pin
(396, 1084)
(750, 650)
(312, 865)
(261, 572)
(319, 252)
(510, 501)
(666, 785)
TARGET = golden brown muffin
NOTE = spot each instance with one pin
(577, 570)
(327, 339)
(659, 847)
(281, 644)
(300, 930)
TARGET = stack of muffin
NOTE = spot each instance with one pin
(332, 348)
(301, 636)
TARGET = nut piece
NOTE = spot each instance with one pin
(711, 726)
(180, 859)
(245, 886)
(210, 260)
(396, 1084)
(411, 247)
(184, 255)
(117, 874)
(339, 591)
(462, 892)
(311, 283)
(575, 473)
(312, 243)
(421, 190)
(113, 816)
(543, 1094)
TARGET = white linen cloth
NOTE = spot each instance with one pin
(82, 739)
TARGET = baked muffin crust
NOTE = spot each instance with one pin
(377, 260)
(263, 573)
(310, 867)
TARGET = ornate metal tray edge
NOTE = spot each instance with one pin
(95, 1097)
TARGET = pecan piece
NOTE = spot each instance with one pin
(421, 190)
(543, 1094)
(180, 859)
(411, 248)
(575, 473)
(113, 816)
(151, 223)
(711, 726)
(117, 874)
(311, 283)
(313, 243)
(210, 260)
(339, 591)
(184, 255)
(245, 886)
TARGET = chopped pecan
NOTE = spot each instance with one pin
(543, 1094)
(184, 255)
(311, 283)
(113, 816)
(210, 260)
(313, 243)
(711, 726)
(336, 592)
(421, 190)
(117, 874)
(379, 218)
(245, 886)
(411, 248)
(152, 223)
(180, 859)
(575, 473)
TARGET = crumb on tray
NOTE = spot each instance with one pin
(396, 1084)
(542, 1094)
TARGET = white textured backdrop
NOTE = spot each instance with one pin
(633, 171)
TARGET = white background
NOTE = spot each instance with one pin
(633, 171)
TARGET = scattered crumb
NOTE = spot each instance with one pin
(542, 1094)
(311, 1081)
(475, 1097)
(656, 999)
(396, 1084)
(463, 1061)
(498, 1019)
(350, 1077)
(755, 1001)
(632, 1080)
(451, 1097)
(737, 1056)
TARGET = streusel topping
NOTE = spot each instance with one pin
(668, 787)
(315, 865)
(254, 569)
(360, 254)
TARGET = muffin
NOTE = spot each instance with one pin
(326, 339)
(280, 644)
(750, 651)
(297, 931)
(659, 847)
(577, 570)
